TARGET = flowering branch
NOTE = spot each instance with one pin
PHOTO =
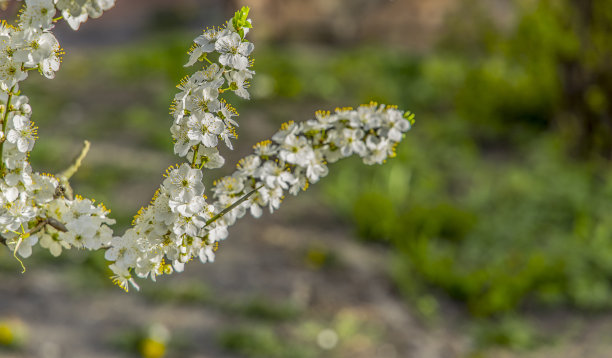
(180, 223)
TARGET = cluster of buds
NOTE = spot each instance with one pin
(181, 223)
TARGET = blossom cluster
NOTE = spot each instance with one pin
(181, 223)
(173, 229)
(299, 153)
(33, 206)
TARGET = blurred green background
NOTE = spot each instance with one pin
(496, 214)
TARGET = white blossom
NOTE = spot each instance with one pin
(22, 134)
(234, 52)
(77, 12)
(203, 44)
(184, 183)
(205, 130)
(38, 14)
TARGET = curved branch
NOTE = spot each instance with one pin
(65, 176)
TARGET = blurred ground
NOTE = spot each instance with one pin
(281, 273)
(276, 285)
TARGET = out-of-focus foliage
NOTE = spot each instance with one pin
(492, 232)
(502, 195)
(552, 69)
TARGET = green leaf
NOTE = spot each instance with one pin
(240, 20)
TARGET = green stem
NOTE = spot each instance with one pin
(207, 60)
(195, 155)
(229, 208)
(4, 122)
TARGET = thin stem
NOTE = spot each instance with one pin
(23, 235)
(195, 155)
(206, 58)
(229, 208)
(38, 227)
(4, 123)
(23, 269)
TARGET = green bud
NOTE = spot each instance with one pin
(239, 21)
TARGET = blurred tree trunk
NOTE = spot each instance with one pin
(587, 79)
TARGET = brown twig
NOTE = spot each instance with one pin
(56, 224)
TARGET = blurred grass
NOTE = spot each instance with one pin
(193, 292)
(353, 334)
(495, 199)
(492, 233)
